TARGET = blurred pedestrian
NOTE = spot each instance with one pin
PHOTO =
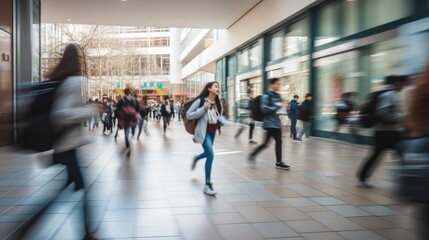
(271, 102)
(305, 113)
(67, 113)
(387, 131)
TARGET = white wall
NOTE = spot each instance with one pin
(262, 17)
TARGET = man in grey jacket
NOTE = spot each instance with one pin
(270, 104)
(387, 131)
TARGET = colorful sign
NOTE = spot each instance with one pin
(151, 85)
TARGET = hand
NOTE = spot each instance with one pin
(207, 105)
(285, 104)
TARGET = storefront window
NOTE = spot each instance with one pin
(296, 39)
(351, 17)
(335, 75)
(231, 66)
(255, 56)
(328, 24)
(243, 60)
(378, 12)
(277, 46)
(36, 41)
(253, 85)
(384, 60)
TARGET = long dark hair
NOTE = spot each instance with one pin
(205, 93)
(69, 64)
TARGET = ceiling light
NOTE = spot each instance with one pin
(68, 20)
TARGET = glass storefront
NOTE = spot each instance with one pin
(378, 12)
(290, 41)
(250, 57)
(242, 88)
(342, 18)
(328, 24)
(359, 72)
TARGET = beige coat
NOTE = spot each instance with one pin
(69, 111)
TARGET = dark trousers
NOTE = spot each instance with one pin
(141, 122)
(293, 121)
(166, 121)
(383, 140)
(69, 159)
(276, 133)
(251, 128)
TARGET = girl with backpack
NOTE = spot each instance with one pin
(208, 117)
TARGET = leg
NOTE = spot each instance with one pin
(264, 145)
(277, 134)
(239, 131)
(208, 150)
(141, 122)
(251, 128)
(127, 133)
(366, 167)
(302, 130)
(293, 121)
(307, 129)
(164, 121)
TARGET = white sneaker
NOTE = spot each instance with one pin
(208, 189)
(362, 184)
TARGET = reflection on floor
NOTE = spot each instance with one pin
(154, 195)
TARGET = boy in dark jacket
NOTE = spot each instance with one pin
(305, 113)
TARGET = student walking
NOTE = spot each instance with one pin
(247, 118)
(209, 119)
(305, 113)
(270, 104)
(387, 131)
(292, 114)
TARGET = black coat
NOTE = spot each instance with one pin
(305, 111)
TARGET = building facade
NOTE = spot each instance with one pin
(328, 49)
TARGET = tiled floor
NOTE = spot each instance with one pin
(154, 195)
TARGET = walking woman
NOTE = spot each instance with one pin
(67, 113)
(209, 120)
(417, 123)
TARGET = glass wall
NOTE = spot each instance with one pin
(296, 39)
(342, 18)
(328, 19)
(378, 12)
(242, 88)
(360, 72)
(291, 41)
(250, 57)
(36, 41)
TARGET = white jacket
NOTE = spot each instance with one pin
(69, 112)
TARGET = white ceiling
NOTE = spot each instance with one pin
(214, 14)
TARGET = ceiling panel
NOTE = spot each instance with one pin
(214, 14)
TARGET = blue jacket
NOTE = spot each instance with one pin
(270, 104)
(293, 108)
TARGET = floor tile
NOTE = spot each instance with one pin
(307, 226)
(238, 231)
(274, 230)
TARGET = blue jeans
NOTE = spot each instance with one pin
(293, 121)
(208, 154)
(305, 129)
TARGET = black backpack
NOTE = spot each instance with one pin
(255, 108)
(367, 116)
(37, 133)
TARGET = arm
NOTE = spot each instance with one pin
(267, 105)
(68, 107)
(195, 111)
(386, 108)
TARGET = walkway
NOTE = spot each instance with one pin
(154, 195)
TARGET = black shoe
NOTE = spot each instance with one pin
(252, 142)
(298, 139)
(194, 163)
(281, 165)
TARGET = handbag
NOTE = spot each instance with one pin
(413, 172)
